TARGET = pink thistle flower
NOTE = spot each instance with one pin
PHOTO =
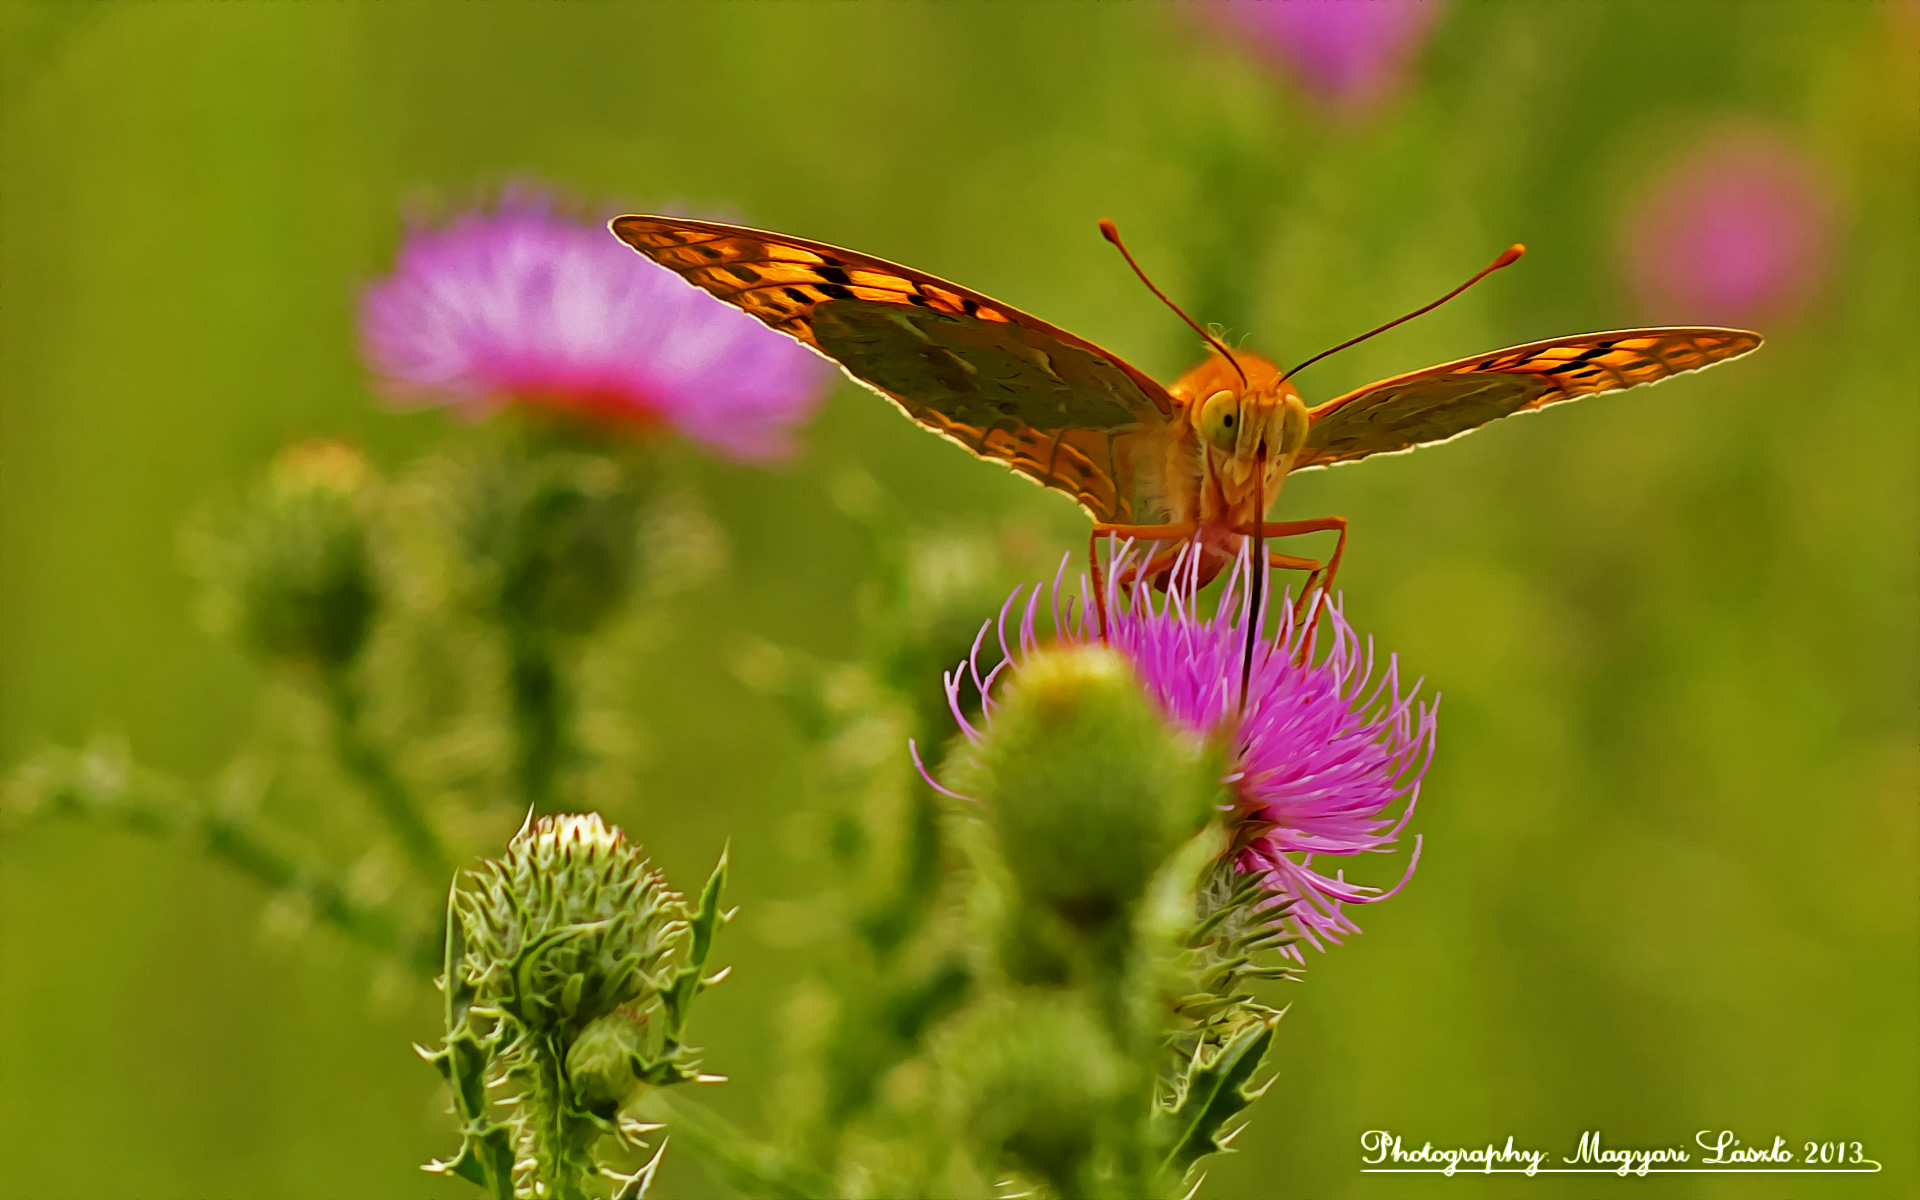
(1321, 754)
(1350, 53)
(521, 306)
(1736, 234)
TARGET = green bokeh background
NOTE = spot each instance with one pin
(1669, 882)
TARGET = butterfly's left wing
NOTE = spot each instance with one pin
(1006, 386)
(1443, 402)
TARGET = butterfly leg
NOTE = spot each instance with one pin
(1319, 582)
(1288, 562)
(1312, 566)
(1097, 578)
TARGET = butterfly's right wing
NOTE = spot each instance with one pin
(1006, 386)
(1444, 402)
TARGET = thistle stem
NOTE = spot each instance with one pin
(541, 712)
(370, 767)
(559, 1159)
(241, 845)
(152, 804)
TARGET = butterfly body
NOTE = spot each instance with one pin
(1237, 431)
(1200, 460)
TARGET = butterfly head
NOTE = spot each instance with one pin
(1249, 426)
(1240, 426)
(1243, 432)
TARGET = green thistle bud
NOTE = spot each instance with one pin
(552, 522)
(571, 966)
(570, 925)
(1088, 787)
(292, 575)
(606, 1059)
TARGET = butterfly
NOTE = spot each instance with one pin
(1194, 462)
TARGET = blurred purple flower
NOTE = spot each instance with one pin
(1737, 234)
(1320, 756)
(521, 306)
(1350, 53)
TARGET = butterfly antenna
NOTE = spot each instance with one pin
(1507, 258)
(1111, 232)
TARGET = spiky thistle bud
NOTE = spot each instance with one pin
(291, 573)
(570, 968)
(570, 925)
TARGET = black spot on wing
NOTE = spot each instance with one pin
(834, 275)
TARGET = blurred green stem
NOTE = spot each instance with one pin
(241, 845)
(370, 767)
(92, 785)
(541, 708)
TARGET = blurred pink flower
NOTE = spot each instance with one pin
(1737, 234)
(521, 306)
(1350, 53)
(1322, 751)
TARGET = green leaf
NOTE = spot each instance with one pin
(1216, 1091)
(485, 1159)
(709, 917)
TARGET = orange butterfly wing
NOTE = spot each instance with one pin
(1444, 402)
(1006, 386)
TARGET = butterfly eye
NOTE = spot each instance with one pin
(1294, 424)
(1220, 419)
